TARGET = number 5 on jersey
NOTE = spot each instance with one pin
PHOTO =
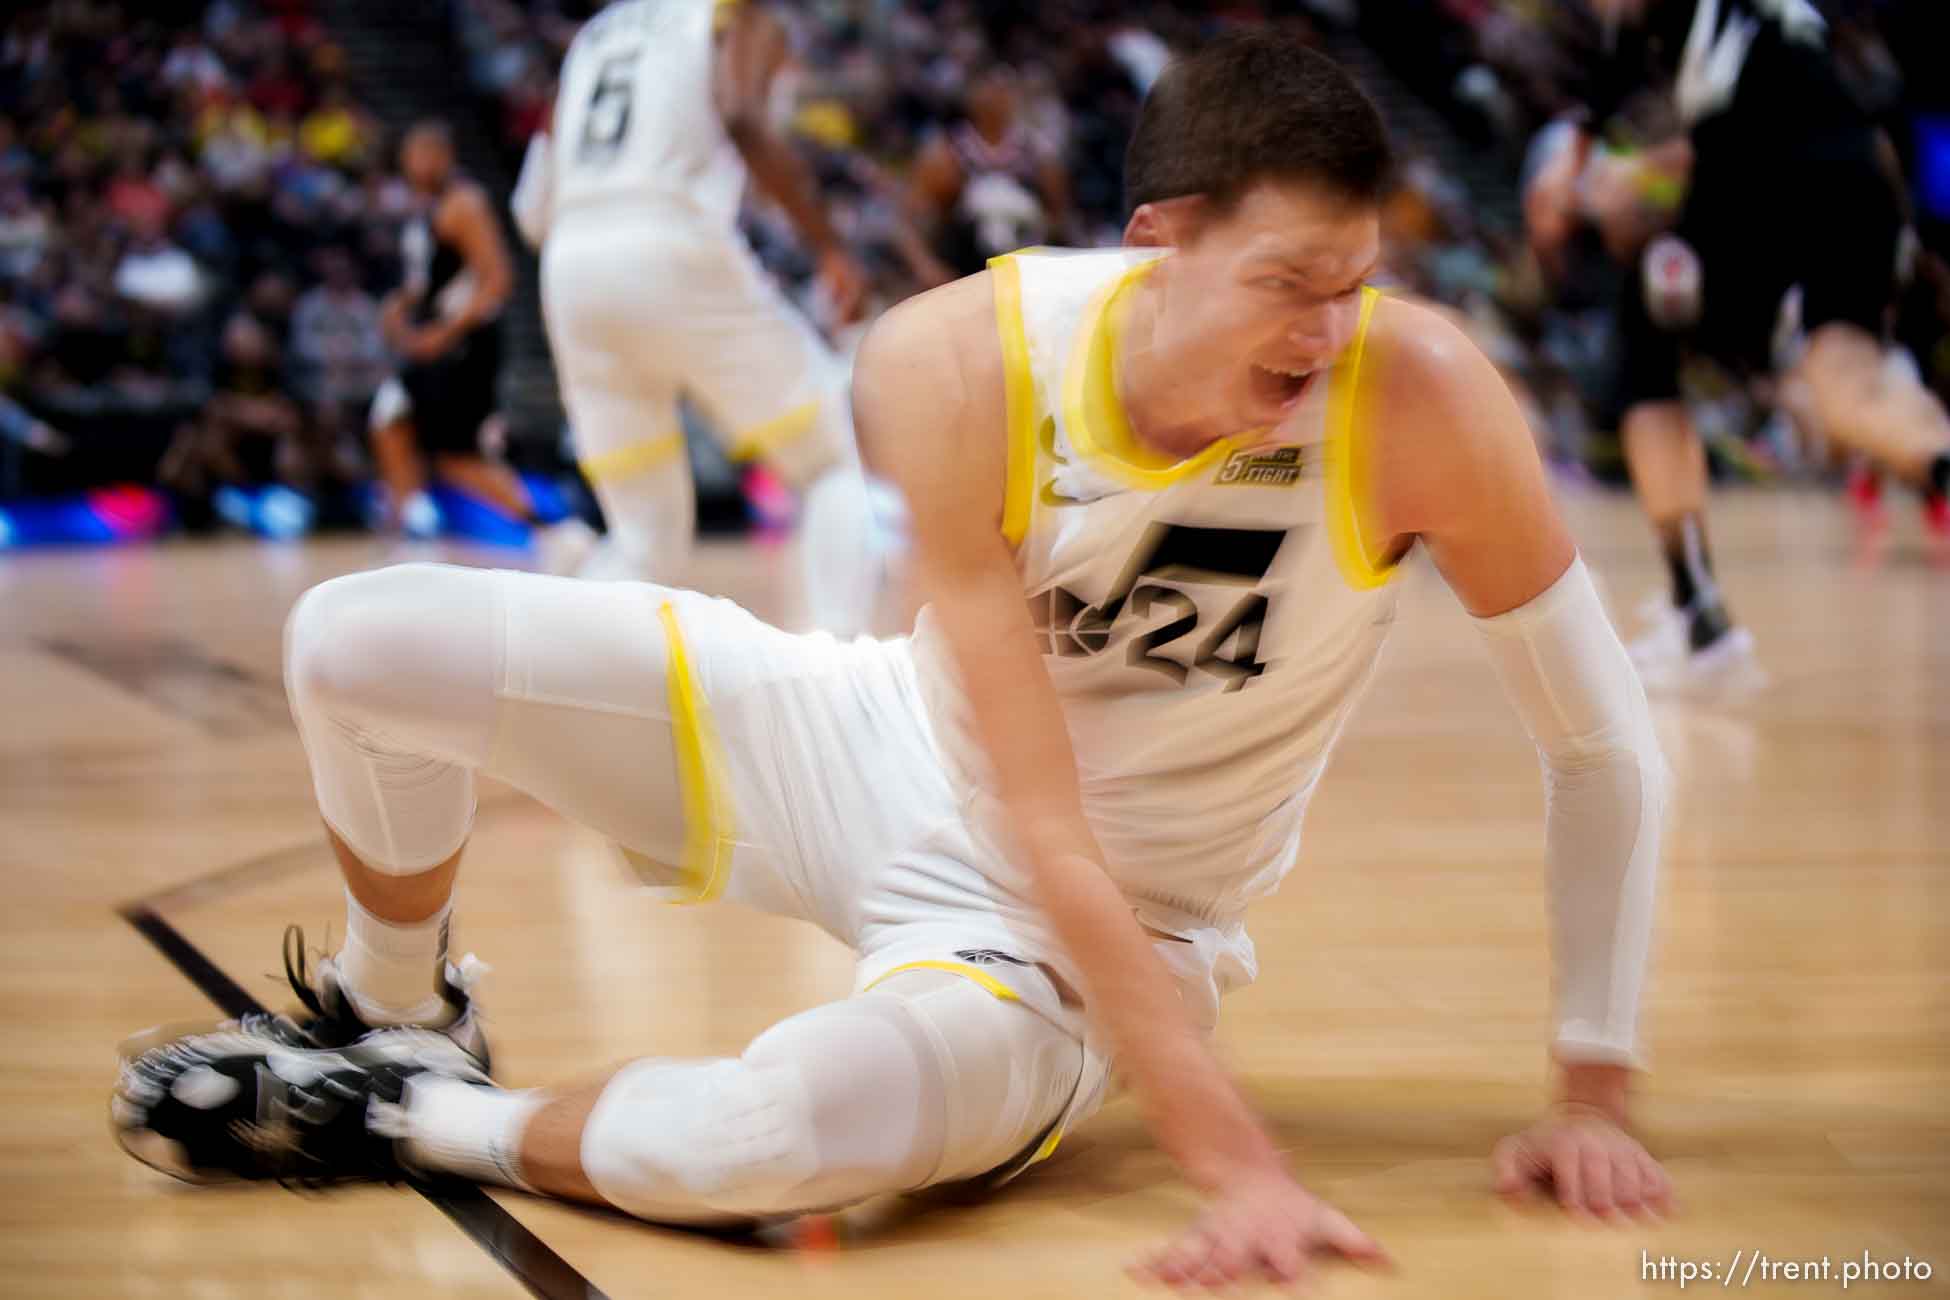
(607, 120)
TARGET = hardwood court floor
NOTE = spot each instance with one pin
(1799, 1019)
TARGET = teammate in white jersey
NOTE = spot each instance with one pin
(650, 292)
(1160, 494)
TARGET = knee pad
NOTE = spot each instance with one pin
(700, 1142)
(831, 1106)
(313, 665)
(1007, 1074)
(929, 1078)
(348, 641)
(391, 677)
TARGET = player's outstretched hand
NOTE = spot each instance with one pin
(1265, 1230)
(1589, 1162)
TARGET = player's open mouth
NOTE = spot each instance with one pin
(1278, 386)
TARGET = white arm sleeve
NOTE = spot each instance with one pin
(1605, 784)
(531, 201)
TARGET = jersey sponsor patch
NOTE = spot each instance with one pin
(1269, 467)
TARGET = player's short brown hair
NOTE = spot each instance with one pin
(1251, 106)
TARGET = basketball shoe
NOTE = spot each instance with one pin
(1695, 652)
(231, 1105)
(326, 1018)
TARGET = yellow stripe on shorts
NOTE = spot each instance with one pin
(710, 824)
(974, 974)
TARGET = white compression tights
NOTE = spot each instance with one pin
(406, 681)
(927, 1078)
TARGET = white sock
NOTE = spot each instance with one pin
(392, 971)
(466, 1129)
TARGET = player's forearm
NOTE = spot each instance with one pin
(1580, 699)
(1191, 1107)
(1602, 843)
(1193, 1110)
(783, 175)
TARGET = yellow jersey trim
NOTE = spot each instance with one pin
(1347, 481)
(633, 459)
(1094, 418)
(1019, 388)
(763, 439)
(976, 974)
(710, 824)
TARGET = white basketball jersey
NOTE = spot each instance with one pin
(635, 118)
(1209, 624)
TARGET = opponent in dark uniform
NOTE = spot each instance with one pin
(988, 185)
(1790, 187)
(445, 324)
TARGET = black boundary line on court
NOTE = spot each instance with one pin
(269, 865)
(527, 1257)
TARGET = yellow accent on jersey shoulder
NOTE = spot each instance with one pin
(1094, 418)
(1048, 1148)
(763, 439)
(710, 823)
(1347, 482)
(1019, 389)
(974, 973)
(721, 12)
(636, 458)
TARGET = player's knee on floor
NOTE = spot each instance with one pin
(1007, 1073)
(925, 1079)
(826, 1108)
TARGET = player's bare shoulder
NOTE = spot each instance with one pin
(465, 203)
(1432, 412)
(1416, 349)
(930, 396)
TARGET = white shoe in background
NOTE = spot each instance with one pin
(1667, 662)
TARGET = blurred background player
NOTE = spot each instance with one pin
(445, 323)
(651, 294)
(990, 183)
(1788, 186)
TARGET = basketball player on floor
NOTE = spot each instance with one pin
(651, 293)
(1788, 187)
(1161, 494)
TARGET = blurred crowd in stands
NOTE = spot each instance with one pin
(196, 217)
